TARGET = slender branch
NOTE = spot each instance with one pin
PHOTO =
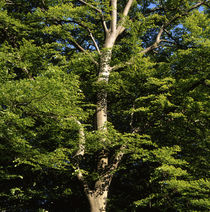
(106, 30)
(44, 6)
(90, 5)
(198, 5)
(94, 41)
(153, 10)
(121, 65)
(83, 50)
(206, 4)
(25, 70)
(89, 31)
(167, 41)
(132, 115)
(28, 73)
(153, 46)
(99, 11)
(183, 14)
(170, 36)
(9, 2)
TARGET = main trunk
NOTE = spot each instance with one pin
(98, 196)
(98, 201)
(103, 79)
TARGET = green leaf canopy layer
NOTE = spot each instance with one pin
(104, 104)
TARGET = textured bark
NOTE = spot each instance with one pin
(103, 78)
(98, 197)
(102, 94)
(98, 201)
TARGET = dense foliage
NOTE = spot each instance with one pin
(158, 105)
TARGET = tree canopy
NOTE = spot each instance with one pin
(104, 105)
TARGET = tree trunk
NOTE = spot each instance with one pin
(98, 197)
(103, 78)
(98, 201)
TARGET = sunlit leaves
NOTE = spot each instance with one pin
(158, 103)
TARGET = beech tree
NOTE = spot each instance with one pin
(77, 85)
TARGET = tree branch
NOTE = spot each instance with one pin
(120, 28)
(83, 50)
(90, 5)
(170, 36)
(183, 14)
(114, 15)
(117, 159)
(206, 4)
(162, 29)
(89, 31)
(25, 70)
(80, 152)
(113, 166)
(82, 179)
(99, 11)
(167, 41)
(127, 7)
(94, 41)
(155, 44)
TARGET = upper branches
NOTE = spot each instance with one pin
(115, 27)
(167, 24)
(162, 29)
